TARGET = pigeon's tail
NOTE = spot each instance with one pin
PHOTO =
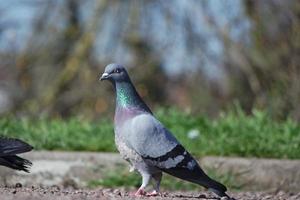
(198, 176)
(15, 162)
(215, 187)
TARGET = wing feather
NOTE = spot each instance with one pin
(9, 146)
(147, 136)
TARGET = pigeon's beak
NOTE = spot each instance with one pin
(104, 76)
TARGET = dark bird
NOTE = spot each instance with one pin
(9, 148)
(146, 144)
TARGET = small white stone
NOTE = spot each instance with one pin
(193, 133)
(131, 169)
(224, 198)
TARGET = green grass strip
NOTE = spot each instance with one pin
(231, 134)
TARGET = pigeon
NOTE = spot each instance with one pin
(9, 148)
(146, 144)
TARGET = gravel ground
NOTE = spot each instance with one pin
(55, 193)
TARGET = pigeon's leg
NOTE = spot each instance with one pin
(157, 179)
(146, 179)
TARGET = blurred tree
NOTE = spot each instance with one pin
(274, 55)
(198, 55)
(149, 74)
(61, 59)
(267, 68)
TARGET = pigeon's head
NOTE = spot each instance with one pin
(115, 73)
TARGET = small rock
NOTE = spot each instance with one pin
(18, 185)
(201, 196)
(117, 192)
(193, 134)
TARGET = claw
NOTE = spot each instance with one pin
(152, 194)
(140, 192)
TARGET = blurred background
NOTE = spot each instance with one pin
(223, 76)
(198, 56)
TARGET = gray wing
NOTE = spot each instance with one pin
(157, 146)
(147, 136)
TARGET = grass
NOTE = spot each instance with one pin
(231, 134)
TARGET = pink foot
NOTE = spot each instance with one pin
(140, 192)
(152, 194)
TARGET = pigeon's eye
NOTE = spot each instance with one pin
(117, 71)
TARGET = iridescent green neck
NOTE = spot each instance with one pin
(126, 95)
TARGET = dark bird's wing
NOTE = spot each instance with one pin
(8, 148)
(158, 147)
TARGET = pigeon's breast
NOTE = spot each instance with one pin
(127, 153)
(124, 114)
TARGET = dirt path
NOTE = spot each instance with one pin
(81, 168)
(55, 193)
